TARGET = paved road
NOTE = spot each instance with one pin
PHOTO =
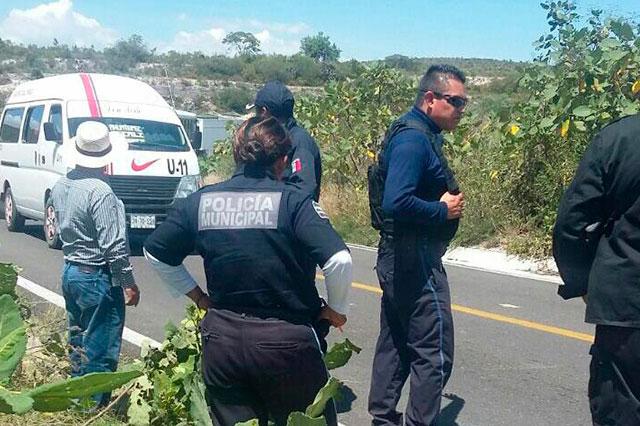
(516, 362)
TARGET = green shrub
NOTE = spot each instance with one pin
(518, 158)
(349, 120)
(234, 98)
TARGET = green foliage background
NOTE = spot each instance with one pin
(521, 139)
(514, 153)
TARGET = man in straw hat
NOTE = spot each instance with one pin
(97, 280)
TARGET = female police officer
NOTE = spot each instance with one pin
(261, 240)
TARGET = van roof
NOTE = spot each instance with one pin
(88, 87)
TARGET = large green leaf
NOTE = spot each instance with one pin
(14, 402)
(547, 122)
(139, 412)
(622, 30)
(59, 395)
(13, 338)
(300, 419)
(328, 391)
(198, 407)
(340, 353)
(8, 279)
(252, 422)
(582, 111)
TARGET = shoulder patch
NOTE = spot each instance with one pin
(239, 210)
(296, 165)
(319, 210)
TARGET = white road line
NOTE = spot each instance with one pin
(129, 335)
(363, 248)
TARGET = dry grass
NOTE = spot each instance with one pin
(66, 418)
(349, 213)
(212, 178)
(44, 362)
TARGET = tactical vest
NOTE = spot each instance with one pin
(377, 174)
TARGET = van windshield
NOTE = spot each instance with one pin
(142, 135)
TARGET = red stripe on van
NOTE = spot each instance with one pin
(92, 99)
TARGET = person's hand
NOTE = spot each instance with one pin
(204, 302)
(131, 295)
(455, 204)
(200, 298)
(336, 319)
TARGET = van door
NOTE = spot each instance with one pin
(29, 163)
(50, 151)
(10, 150)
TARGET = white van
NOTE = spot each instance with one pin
(42, 115)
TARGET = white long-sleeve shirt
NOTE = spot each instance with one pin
(337, 271)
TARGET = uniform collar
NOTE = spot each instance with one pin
(290, 123)
(251, 171)
(85, 173)
(424, 117)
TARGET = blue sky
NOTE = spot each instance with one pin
(362, 29)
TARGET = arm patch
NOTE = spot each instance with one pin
(319, 210)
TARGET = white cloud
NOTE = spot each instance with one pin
(42, 23)
(274, 37)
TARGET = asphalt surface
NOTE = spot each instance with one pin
(509, 368)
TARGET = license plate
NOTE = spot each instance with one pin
(143, 221)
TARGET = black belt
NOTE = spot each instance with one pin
(90, 268)
(266, 313)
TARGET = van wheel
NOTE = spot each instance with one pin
(50, 228)
(15, 221)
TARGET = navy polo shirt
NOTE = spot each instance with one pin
(414, 182)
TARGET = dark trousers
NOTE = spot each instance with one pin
(614, 383)
(260, 368)
(416, 336)
(95, 312)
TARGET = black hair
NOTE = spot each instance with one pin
(260, 142)
(437, 78)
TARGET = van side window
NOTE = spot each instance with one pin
(31, 129)
(10, 128)
(55, 117)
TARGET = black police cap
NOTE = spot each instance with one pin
(275, 97)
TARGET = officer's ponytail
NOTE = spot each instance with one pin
(260, 142)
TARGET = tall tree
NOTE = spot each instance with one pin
(127, 54)
(320, 48)
(245, 44)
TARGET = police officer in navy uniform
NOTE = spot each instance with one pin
(596, 245)
(256, 234)
(274, 99)
(421, 205)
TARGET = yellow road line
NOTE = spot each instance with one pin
(497, 317)
(524, 323)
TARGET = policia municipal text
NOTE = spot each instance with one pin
(261, 240)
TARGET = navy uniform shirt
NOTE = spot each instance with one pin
(260, 239)
(415, 181)
(305, 163)
(605, 190)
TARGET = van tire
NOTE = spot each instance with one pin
(15, 221)
(50, 227)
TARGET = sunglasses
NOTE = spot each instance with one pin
(457, 102)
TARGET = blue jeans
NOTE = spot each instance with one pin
(95, 312)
